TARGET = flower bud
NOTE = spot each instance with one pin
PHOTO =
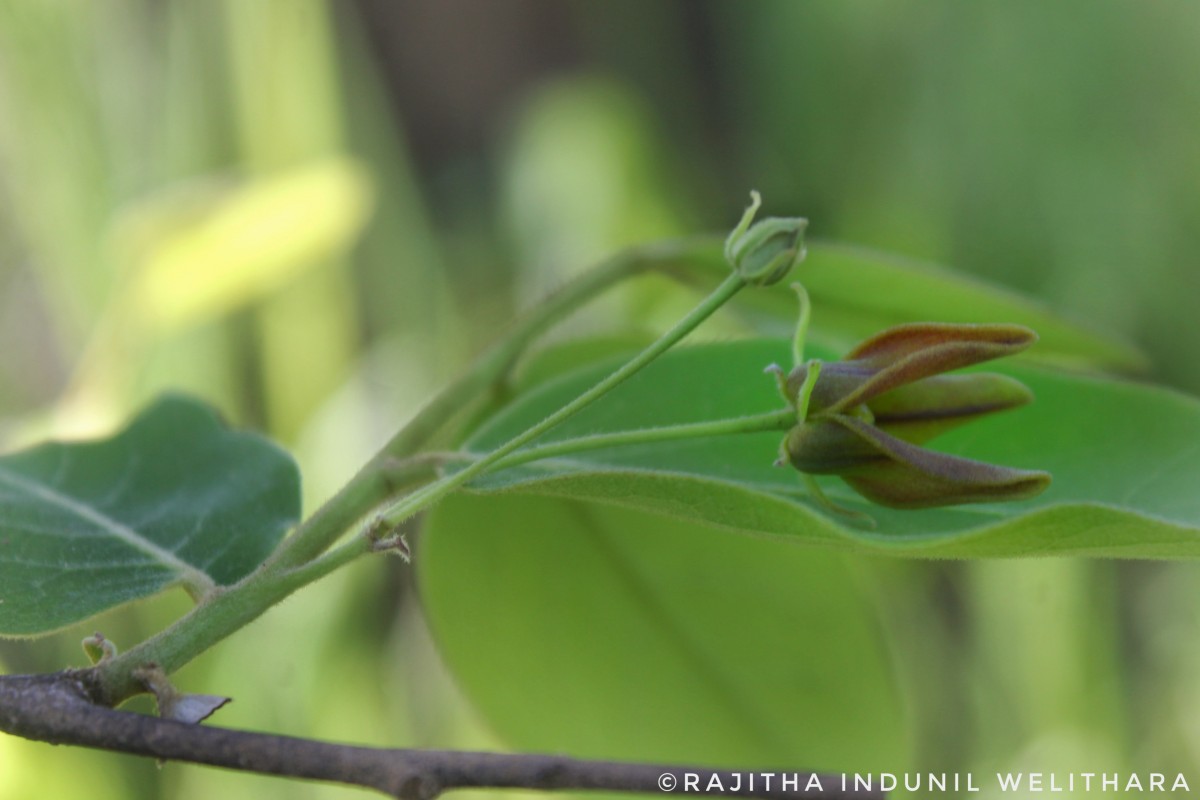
(765, 252)
(867, 416)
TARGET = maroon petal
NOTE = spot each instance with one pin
(913, 477)
(904, 340)
(822, 447)
(907, 353)
(838, 379)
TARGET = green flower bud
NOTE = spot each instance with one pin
(765, 252)
(867, 416)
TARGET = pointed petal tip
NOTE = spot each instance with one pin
(920, 411)
(902, 487)
(1033, 483)
(905, 339)
(909, 353)
(908, 476)
(1017, 336)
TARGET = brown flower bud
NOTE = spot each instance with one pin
(866, 416)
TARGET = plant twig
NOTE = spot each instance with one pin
(298, 560)
(669, 257)
(677, 258)
(222, 613)
(58, 708)
(426, 497)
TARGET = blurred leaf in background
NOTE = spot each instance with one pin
(616, 634)
(244, 244)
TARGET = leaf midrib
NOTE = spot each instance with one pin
(111, 526)
(676, 636)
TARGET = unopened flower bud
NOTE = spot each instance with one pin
(764, 252)
(868, 415)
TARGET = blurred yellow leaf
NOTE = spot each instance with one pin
(247, 242)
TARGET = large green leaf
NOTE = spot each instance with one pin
(611, 633)
(174, 498)
(1125, 460)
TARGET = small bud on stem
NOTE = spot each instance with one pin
(765, 252)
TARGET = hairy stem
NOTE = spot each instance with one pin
(667, 256)
(758, 423)
(432, 493)
(384, 476)
(222, 613)
(230, 609)
(388, 475)
(365, 492)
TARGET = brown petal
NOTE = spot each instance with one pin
(822, 447)
(903, 340)
(913, 477)
(917, 412)
(907, 353)
(838, 379)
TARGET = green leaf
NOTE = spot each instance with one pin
(176, 498)
(856, 292)
(1125, 460)
(609, 633)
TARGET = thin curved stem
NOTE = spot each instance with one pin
(298, 561)
(800, 337)
(366, 490)
(758, 423)
(658, 257)
(804, 395)
(431, 494)
(384, 476)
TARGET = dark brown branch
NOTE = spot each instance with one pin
(58, 709)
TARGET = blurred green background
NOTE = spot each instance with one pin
(312, 214)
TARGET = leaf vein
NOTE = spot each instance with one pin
(117, 529)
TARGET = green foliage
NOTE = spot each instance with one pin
(175, 498)
(613, 633)
(1005, 139)
(1122, 456)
